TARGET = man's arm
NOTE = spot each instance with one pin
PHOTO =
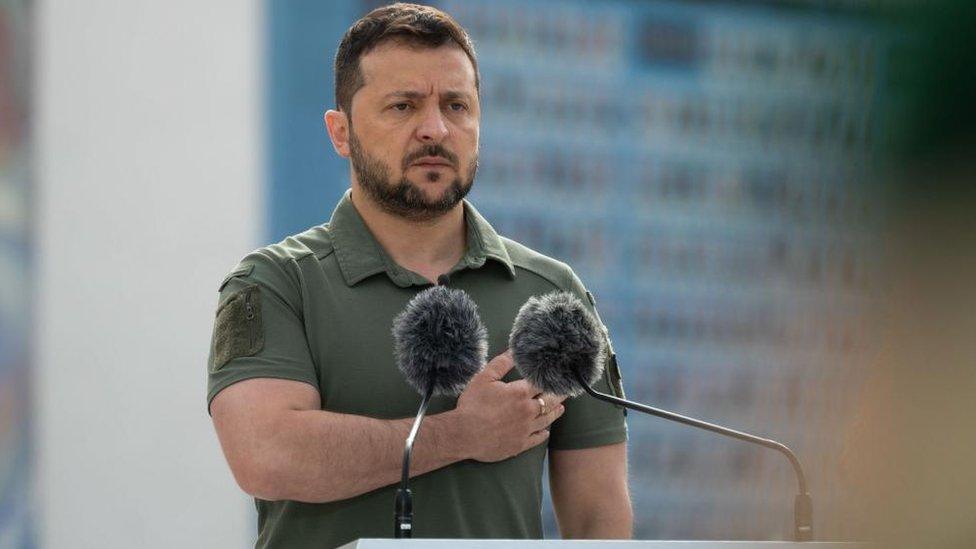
(281, 445)
(589, 492)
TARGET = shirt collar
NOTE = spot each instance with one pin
(360, 256)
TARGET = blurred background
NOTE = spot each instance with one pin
(772, 202)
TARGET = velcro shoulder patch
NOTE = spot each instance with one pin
(240, 271)
(238, 329)
(616, 380)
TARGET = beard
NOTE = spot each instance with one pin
(404, 198)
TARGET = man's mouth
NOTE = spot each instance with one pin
(432, 161)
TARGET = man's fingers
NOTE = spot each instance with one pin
(542, 422)
(523, 388)
(552, 400)
(500, 365)
(536, 439)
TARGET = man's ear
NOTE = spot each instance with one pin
(338, 125)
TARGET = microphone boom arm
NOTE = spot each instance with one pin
(803, 507)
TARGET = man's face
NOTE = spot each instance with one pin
(413, 136)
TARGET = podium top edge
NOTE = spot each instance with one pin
(371, 543)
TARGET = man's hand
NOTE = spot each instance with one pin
(499, 420)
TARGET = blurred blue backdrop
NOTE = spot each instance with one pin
(703, 166)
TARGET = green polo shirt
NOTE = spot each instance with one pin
(318, 308)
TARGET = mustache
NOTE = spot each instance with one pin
(435, 150)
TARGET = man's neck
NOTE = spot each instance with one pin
(429, 248)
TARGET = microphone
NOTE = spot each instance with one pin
(559, 347)
(556, 342)
(439, 343)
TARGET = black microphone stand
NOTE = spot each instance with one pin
(403, 504)
(802, 504)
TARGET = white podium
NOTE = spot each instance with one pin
(591, 544)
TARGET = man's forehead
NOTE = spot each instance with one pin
(394, 65)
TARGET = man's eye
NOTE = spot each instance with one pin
(457, 107)
(401, 106)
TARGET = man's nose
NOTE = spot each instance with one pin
(432, 128)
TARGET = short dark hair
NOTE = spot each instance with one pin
(409, 23)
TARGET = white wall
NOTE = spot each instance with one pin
(148, 150)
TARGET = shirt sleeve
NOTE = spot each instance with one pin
(258, 328)
(589, 422)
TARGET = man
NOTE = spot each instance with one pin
(308, 405)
